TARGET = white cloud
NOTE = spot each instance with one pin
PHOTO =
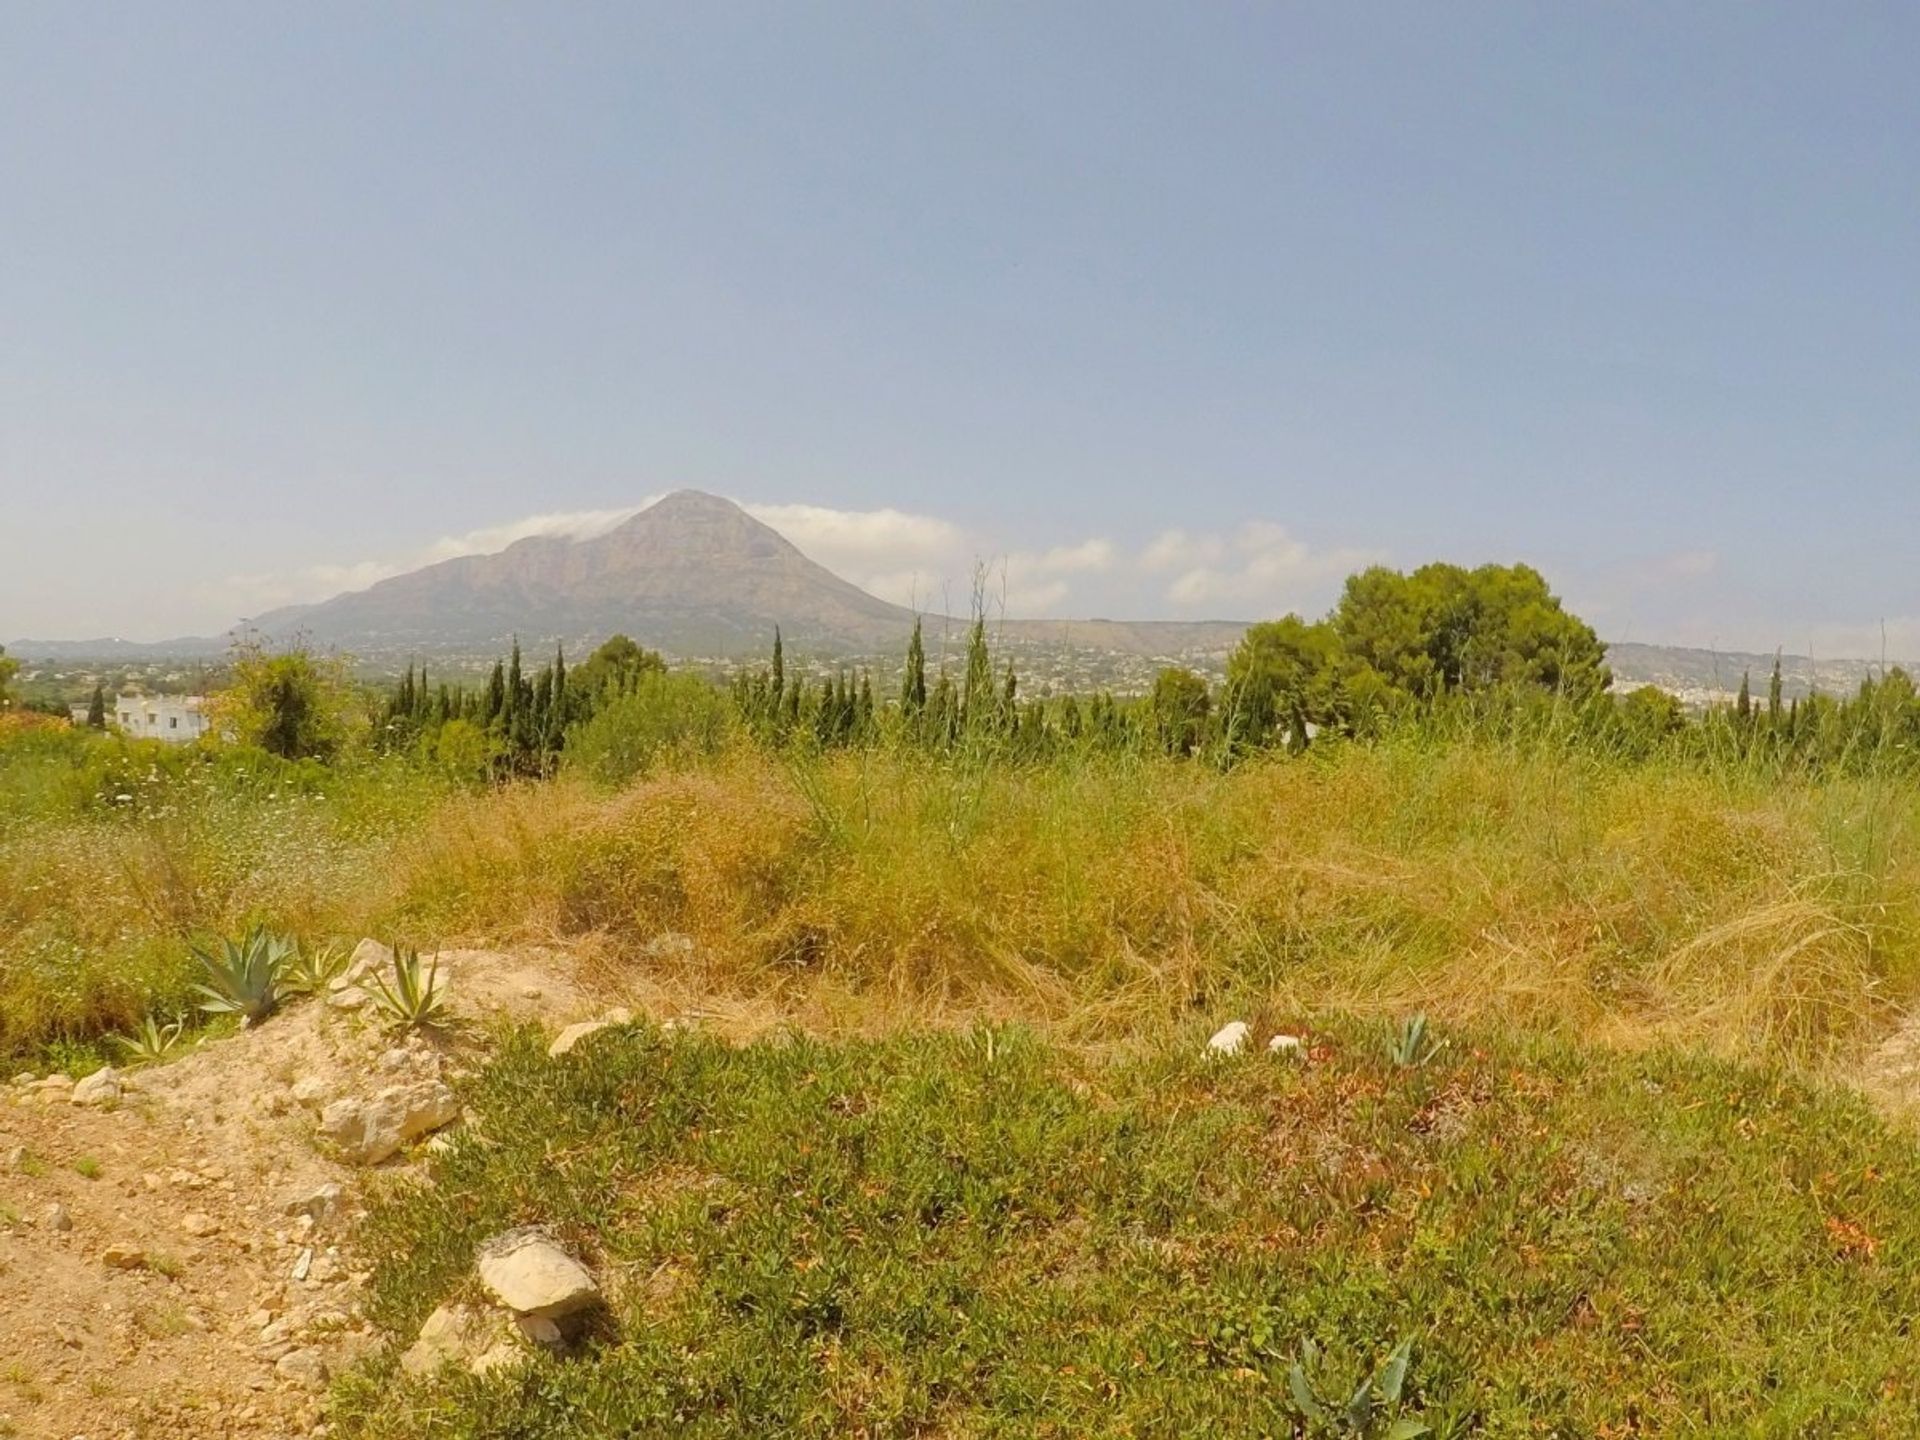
(253, 594)
(489, 539)
(932, 563)
(1259, 565)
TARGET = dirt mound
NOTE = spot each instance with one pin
(171, 1263)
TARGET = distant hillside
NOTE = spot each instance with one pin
(1706, 674)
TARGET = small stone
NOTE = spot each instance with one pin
(1288, 1045)
(311, 1091)
(538, 1330)
(124, 1257)
(351, 998)
(528, 1272)
(17, 1160)
(317, 1204)
(306, 1368)
(465, 1335)
(1229, 1039)
(198, 1223)
(369, 957)
(55, 1217)
(303, 1264)
(100, 1088)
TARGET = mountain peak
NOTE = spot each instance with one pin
(692, 502)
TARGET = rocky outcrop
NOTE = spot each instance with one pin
(368, 1131)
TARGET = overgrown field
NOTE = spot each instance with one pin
(978, 1234)
(1103, 898)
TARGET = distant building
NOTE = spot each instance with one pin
(178, 718)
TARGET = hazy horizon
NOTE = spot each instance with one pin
(1160, 315)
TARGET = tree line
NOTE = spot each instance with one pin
(1485, 651)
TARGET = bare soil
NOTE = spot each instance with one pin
(176, 1295)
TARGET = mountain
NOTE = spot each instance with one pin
(692, 573)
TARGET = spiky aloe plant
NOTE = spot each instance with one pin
(412, 995)
(310, 972)
(152, 1042)
(244, 978)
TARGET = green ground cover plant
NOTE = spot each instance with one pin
(975, 1233)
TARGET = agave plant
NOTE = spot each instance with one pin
(311, 972)
(412, 995)
(152, 1042)
(1370, 1413)
(244, 978)
(1413, 1046)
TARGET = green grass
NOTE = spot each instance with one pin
(977, 1234)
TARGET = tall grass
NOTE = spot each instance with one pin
(116, 855)
(1104, 897)
(1623, 902)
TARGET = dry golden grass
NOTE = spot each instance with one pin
(1111, 899)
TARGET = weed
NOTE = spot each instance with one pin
(152, 1042)
(87, 1168)
(1371, 1412)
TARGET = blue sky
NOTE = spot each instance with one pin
(1163, 310)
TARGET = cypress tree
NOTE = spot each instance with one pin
(976, 692)
(496, 697)
(913, 683)
(1773, 696)
(97, 709)
(1743, 706)
(779, 681)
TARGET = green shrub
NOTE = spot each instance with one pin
(663, 713)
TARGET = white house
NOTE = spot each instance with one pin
(157, 717)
